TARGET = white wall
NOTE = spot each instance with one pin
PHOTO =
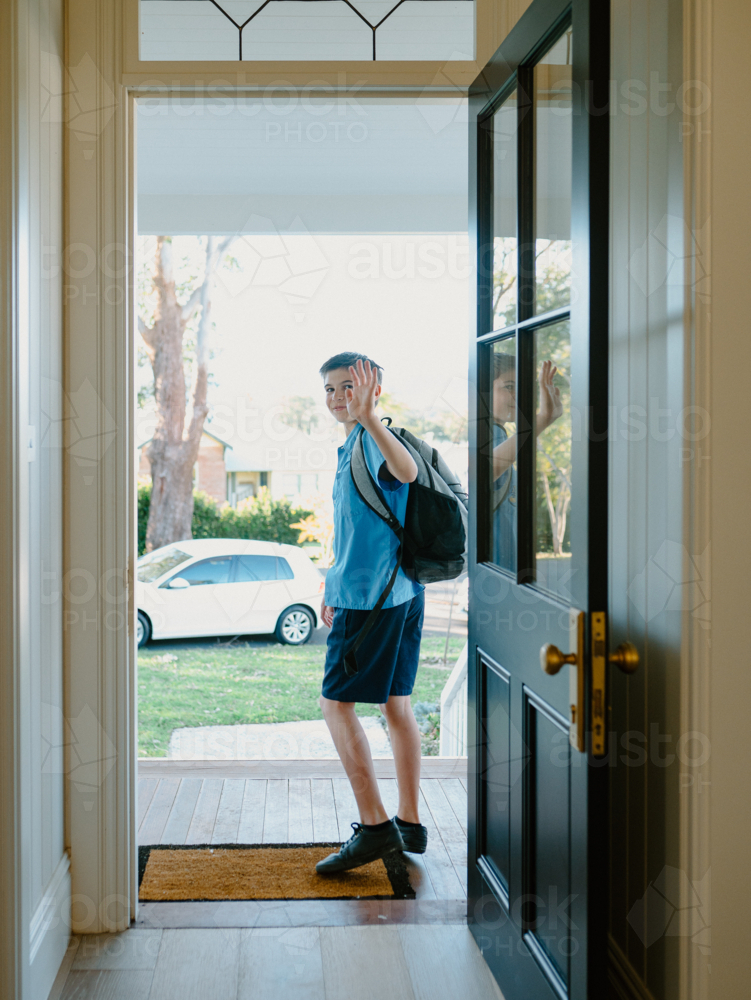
(32, 723)
(48, 860)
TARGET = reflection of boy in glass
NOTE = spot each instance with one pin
(504, 448)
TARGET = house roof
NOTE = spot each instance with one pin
(288, 451)
(205, 433)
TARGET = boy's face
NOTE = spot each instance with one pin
(504, 399)
(334, 384)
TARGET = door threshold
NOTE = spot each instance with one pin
(301, 913)
(163, 767)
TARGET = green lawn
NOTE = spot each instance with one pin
(214, 685)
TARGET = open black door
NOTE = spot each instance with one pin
(538, 466)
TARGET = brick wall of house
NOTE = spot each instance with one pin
(212, 473)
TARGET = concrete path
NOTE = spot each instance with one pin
(269, 741)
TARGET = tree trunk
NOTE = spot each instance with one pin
(173, 450)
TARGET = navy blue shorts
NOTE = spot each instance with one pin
(388, 657)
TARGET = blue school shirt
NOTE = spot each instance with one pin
(504, 517)
(364, 545)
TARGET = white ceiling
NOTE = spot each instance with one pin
(346, 166)
(283, 163)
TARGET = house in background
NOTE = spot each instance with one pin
(209, 473)
(291, 464)
(298, 465)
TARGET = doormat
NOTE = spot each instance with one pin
(202, 872)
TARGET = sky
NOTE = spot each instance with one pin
(291, 301)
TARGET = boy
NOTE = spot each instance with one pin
(365, 550)
(504, 448)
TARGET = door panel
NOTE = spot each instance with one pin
(538, 475)
(497, 767)
(546, 915)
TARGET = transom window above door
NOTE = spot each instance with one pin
(310, 30)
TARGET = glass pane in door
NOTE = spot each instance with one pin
(504, 214)
(552, 103)
(553, 458)
(503, 455)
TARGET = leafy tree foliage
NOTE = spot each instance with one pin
(302, 412)
(444, 425)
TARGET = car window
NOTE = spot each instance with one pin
(283, 570)
(156, 564)
(206, 571)
(254, 568)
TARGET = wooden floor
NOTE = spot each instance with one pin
(408, 962)
(302, 949)
(230, 810)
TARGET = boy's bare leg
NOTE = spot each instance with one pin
(354, 752)
(405, 742)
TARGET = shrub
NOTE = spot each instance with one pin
(261, 517)
(267, 519)
(207, 517)
(144, 500)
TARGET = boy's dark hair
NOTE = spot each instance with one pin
(347, 358)
(503, 364)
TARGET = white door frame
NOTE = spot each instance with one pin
(99, 506)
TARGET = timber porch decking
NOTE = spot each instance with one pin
(197, 802)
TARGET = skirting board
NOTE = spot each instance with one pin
(432, 767)
(49, 931)
(624, 981)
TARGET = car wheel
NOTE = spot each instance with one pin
(143, 629)
(295, 626)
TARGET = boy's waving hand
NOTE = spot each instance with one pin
(361, 398)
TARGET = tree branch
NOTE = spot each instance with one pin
(213, 257)
(224, 246)
(193, 302)
(555, 466)
(147, 332)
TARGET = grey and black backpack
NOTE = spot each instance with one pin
(433, 540)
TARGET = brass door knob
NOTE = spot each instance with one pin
(552, 659)
(626, 657)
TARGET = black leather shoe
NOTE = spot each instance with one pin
(363, 846)
(415, 837)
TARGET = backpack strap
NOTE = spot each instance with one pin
(368, 489)
(372, 496)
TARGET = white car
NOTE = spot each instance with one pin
(227, 586)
